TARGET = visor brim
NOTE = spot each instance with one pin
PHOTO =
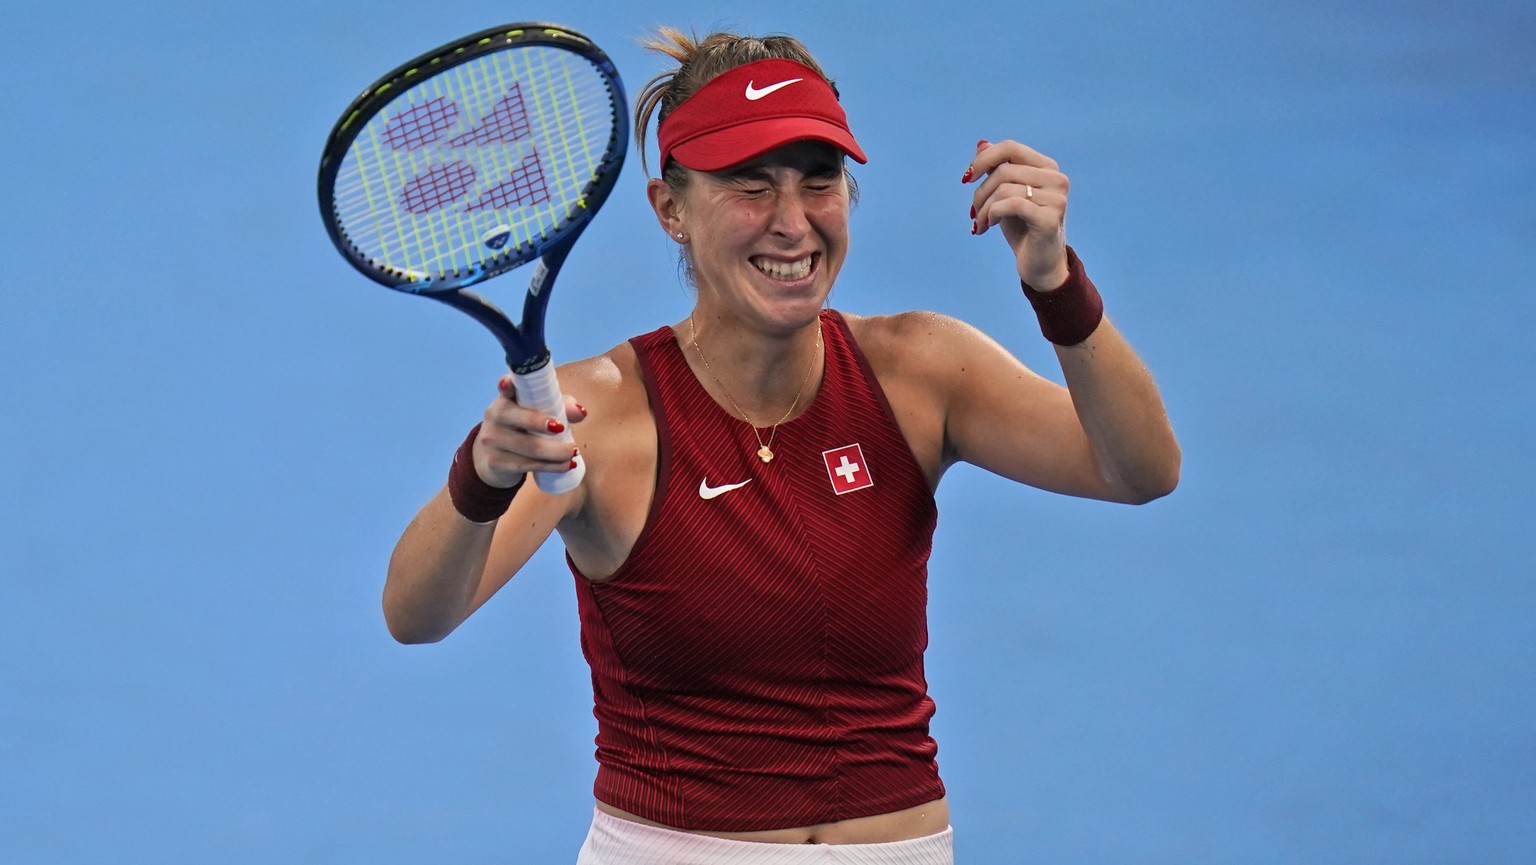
(723, 148)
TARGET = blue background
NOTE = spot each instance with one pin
(1313, 219)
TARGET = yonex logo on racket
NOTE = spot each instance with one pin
(436, 187)
(497, 237)
(425, 122)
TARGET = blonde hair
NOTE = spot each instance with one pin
(699, 62)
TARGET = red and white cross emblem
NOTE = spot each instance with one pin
(846, 469)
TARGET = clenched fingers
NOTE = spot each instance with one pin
(1023, 192)
(1016, 181)
(515, 439)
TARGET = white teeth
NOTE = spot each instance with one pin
(785, 270)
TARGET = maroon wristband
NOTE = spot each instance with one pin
(1071, 313)
(476, 500)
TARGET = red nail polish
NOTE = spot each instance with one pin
(581, 408)
(555, 427)
(504, 385)
(973, 211)
(969, 173)
(573, 464)
(974, 229)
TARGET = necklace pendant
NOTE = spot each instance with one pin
(764, 454)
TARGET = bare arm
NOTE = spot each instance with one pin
(445, 566)
(1106, 435)
(443, 569)
(1122, 415)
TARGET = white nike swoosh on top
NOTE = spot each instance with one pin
(753, 94)
(707, 492)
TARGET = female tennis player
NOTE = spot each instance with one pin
(750, 543)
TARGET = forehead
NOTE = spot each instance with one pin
(806, 157)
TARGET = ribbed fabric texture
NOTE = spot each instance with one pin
(613, 841)
(757, 662)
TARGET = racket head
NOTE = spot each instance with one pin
(474, 158)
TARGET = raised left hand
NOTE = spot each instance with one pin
(1024, 193)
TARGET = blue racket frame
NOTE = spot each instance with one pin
(524, 343)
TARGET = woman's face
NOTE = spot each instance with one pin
(767, 238)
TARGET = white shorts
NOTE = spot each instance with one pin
(616, 841)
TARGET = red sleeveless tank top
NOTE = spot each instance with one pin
(757, 661)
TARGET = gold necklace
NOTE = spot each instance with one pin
(764, 451)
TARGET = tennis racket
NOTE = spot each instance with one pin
(471, 160)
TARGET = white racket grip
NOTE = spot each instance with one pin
(541, 390)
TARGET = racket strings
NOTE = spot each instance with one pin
(421, 124)
(477, 165)
(437, 187)
(525, 188)
(507, 122)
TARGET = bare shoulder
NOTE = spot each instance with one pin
(608, 380)
(918, 344)
(609, 386)
(942, 376)
(914, 356)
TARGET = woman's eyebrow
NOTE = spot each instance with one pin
(760, 172)
(747, 172)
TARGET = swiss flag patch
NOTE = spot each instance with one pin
(847, 469)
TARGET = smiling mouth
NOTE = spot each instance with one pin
(787, 270)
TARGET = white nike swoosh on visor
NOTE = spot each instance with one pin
(753, 94)
(707, 492)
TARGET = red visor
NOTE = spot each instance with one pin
(750, 110)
